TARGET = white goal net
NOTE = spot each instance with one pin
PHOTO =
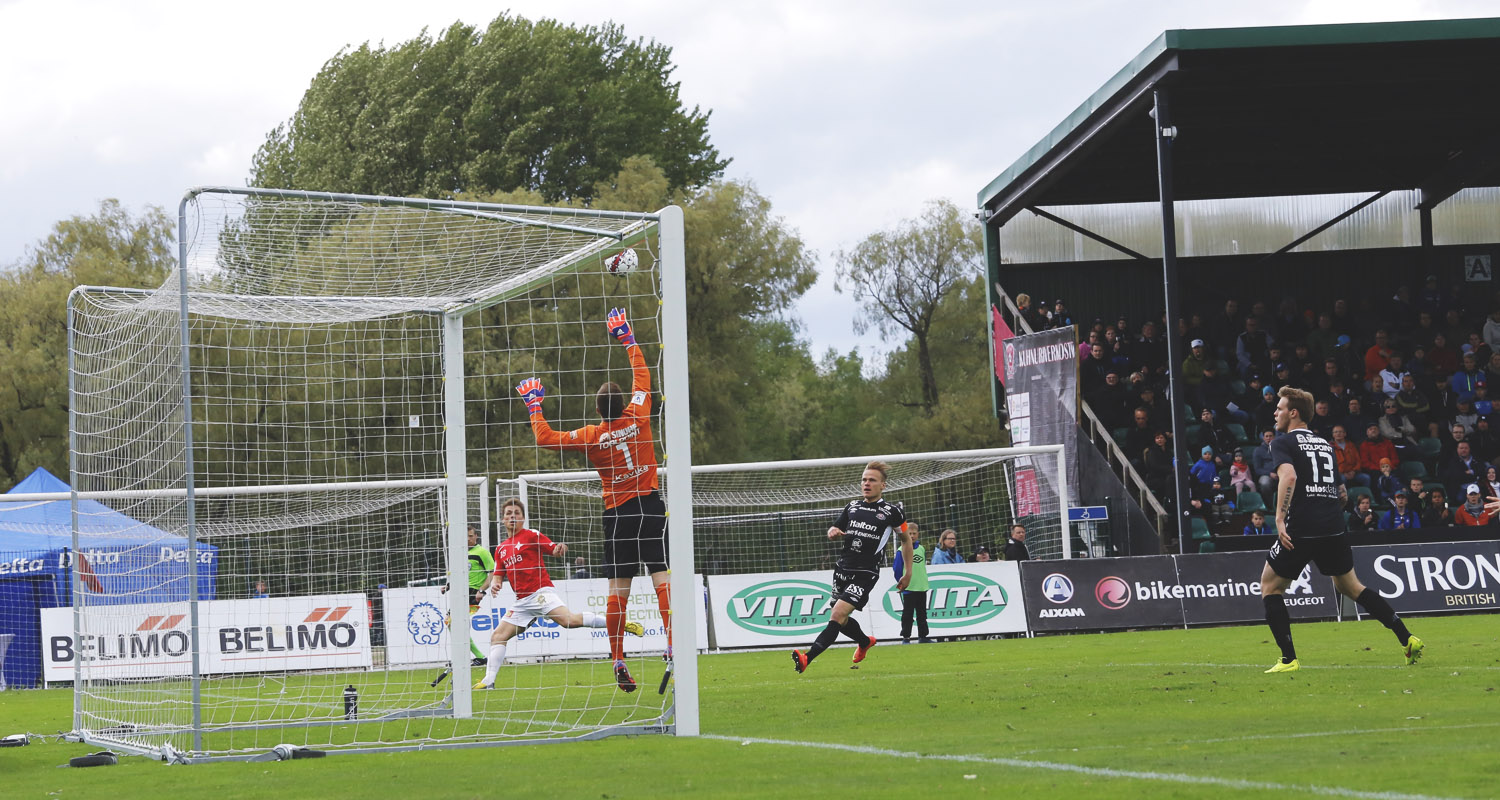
(294, 436)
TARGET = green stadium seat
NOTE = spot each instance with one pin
(1120, 434)
(1238, 432)
(1430, 485)
(1206, 546)
(1194, 437)
(1412, 469)
(1200, 530)
(1237, 386)
(1245, 502)
(1429, 447)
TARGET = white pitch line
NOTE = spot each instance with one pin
(1105, 772)
(1458, 667)
(1273, 736)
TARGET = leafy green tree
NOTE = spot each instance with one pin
(108, 248)
(539, 106)
(902, 275)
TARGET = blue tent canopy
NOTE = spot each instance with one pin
(120, 560)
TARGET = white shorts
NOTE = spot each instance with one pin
(531, 608)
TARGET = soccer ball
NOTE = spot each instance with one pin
(623, 261)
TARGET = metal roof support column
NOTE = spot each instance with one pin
(1424, 216)
(1165, 133)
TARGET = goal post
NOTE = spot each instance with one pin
(317, 339)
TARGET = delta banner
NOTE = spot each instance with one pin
(153, 640)
(1041, 397)
(415, 632)
(1219, 588)
(1432, 576)
(791, 608)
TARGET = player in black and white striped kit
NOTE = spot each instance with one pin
(865, 525)
(1310, 499)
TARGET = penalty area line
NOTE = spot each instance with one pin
(1104, 772)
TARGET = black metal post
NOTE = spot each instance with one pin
(1165, 133)
(1424, 216)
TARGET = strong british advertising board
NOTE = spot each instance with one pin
(1433, 576)
(154, 640)
(415, 633)
(791, 609)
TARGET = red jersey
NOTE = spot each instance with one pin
(623, 450)
(519, 560)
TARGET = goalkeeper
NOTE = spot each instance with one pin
(623, 450)
(481, 566)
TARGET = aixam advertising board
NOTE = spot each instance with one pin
(791, 609)
(415, 633)
(1433, 576)
(154, 640)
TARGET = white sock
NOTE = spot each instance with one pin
(592, 620)
(492, 669)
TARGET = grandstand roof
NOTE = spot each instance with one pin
(1316, 109)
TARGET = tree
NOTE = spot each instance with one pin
(537, 106)
(109, 248)
(901, 276)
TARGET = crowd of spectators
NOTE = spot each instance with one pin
(1401, 385)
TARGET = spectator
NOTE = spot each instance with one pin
(1015, 546)
(1482, 403)
(947, 552)
(1322, 340)
(1288, 326)
(1339, 396)
(1363, 517)
(1220, 507)
(1241, 479)
(581, 568)
(1397, 427)
(1201, 478)
(1463, 468)
(1441, 359)
(1385, 483)
(1140, 436)
(1263, 317)
(1060, 316)
(1456, 434)
(1253, 349)
(1029, 313)
(1437, 514)
(1375, 448)
(1150, 351)
(1465, 415)
(1430, 299)
(1196, 329)
(1264, 464)
(1264, 415)
(1092, 367)
(1414, 404)
(1215, 435)
(1476, 345)
(1390, 377)
(1322, 422)
(1350, 363)
(1225, 327)
(1378, 356)
(1356, 423)
(1467, 377)
(1159, 470)
(1472, 512)
(1492, 370)
(1305, 371)
(1346, 458)
(1148, 399)
(1343, 321)
(1110, 401)
(1418, 497)
(1257, 526)
(1402, 310)
(982, 555)
(1489, 485)
(261, 590)
(1485, 443)
(1422, 335)
(1399, 517)
(1192, 366)
(1284, 375)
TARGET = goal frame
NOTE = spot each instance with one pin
(680, 716)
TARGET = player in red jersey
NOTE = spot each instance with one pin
(623, 450)
(518, 559)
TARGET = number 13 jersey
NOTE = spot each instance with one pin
(1316, 509)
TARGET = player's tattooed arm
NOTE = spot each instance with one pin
(1286, 476)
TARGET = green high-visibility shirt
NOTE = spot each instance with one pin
(918, 569)
(481, 564)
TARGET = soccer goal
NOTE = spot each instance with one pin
(305, 425)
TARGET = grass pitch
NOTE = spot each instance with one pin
(1139, 714)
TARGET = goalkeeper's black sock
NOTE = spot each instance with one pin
(1281, 625)
(853, 631)
(1381, 610)
(828, 636)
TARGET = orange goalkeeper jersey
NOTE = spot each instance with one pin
(623, 450)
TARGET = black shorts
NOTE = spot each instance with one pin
(1331, 553)
(635, 532)
(854, 586)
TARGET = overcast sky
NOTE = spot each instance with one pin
(848, 115)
